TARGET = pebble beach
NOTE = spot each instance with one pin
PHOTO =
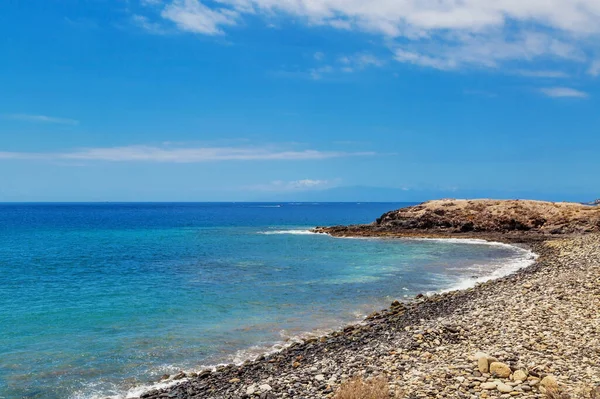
(518, 336)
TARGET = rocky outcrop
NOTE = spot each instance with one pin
(476, 216)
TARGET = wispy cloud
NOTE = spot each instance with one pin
(42, 119)
(294, 185)
(149, 26)
(542, 74)
(563, 92)
(595, 68)
(193, 16)
(183, 155)
(318, 73)
(360, 61)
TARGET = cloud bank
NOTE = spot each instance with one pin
(441, 34)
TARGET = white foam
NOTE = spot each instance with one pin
(91, 392)
(295, 232)
(468, 241)
(524, 259)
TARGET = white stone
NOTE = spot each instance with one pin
(265, 388)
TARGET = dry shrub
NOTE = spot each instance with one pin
(556, 393)
(358, 388)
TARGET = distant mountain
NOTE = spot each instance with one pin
(391, 194)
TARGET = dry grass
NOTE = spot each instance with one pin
(358, 388)
(557, 393)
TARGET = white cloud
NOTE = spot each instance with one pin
(442, 34)
(145, 23)
(193, 16)
(183, 155)
(319, 56)
(563, 92)
(42, 119)
(487, 50)
(317, 73)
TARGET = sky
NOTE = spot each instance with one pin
(260, 100)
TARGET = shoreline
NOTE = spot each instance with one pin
(259, 378)
(182, 376)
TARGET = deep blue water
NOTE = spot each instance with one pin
(98, 298)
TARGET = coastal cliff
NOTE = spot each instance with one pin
(451, 216)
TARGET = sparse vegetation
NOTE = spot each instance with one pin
(359, 388)
(558, 393)
(494, 216)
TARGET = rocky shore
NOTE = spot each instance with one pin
(518, 336)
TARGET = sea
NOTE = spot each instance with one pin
(101, 300)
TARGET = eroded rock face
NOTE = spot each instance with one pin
(492, 216)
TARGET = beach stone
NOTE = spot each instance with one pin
(234, 380)
(488, 385)
(320, 377)
(501, 370)
(480, 355)
(482, 365)
(504, 388)
(250, 391)
(179, 376)
(549, 381)
(492, 359)
(519, 375)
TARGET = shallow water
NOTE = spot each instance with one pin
(99, 298)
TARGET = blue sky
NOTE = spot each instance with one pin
(183, 100)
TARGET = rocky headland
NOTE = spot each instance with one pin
(531, 334)
(481, 217)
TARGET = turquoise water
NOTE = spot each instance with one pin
(98, 299)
